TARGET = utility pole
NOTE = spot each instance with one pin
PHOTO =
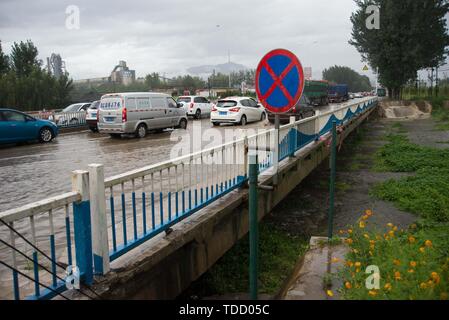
(229, 62)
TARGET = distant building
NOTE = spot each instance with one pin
(122, 74)
(55, 65)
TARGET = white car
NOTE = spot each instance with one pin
(71, 115)
(91, 116)
(240, 110)
(196, 106)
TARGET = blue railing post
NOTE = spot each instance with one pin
(293, 139)
(82, 225)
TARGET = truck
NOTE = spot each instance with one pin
(381, 92)
(338, 93)
(317, 92)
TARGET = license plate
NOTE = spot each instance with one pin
(109, 119)
(94, 114)
(223, 113)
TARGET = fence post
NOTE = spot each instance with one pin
(245, 155)
(253, 225)
(82, 225)
(100, 243)
(293, 137)
(332, 180)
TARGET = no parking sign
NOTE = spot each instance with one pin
(279, 81)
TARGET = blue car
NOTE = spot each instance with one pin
(16, 126)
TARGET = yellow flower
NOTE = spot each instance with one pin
(348, 285)
(413, 264)
(435, 277)
(362, 224)
(349, 241)
(395, 228)
(358, 264)
(357, 270)
(391, 233)
(365, 217)
(422, 249)
(423, 285)
(366, 236)
(397, 275)
(411, 239)
(390, 225)
(411, 271)
(341, 232)
(372, 293)
(372, 247)
(396, 262)
(428, 243)
(372, 242)
(349, 231)
(355, 251)
(349, 263)
(413, 226)
(330, 293)
(368, 212)
(387, 286)
(370, 253)
(335, 260)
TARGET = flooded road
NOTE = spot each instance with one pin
(33, 172)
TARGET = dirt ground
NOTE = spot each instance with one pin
(305, 210)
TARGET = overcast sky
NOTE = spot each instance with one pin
(170, 36)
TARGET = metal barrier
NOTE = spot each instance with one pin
(114, 215)
(63, 119)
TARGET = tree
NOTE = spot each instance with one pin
(24, 58)
(412, 36)
(4, 61)
(339, 74)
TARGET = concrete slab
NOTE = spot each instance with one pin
(314, 273)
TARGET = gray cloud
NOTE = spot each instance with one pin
(170, 36)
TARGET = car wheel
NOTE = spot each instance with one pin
(183, 124)
(243, 121)
(263, 116)
(215, 124)
(198, 114)
(45, 135)
(93, 129)
(141, 131)
(115, 135)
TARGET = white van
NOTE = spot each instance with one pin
(138, 112)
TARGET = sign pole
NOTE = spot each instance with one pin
(253, 227)
(277, 125)
(332, 180)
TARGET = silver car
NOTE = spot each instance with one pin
(138, 112)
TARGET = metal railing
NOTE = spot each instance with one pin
(62, 119)
(102, 219)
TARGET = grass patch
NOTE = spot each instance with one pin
(278, 254)
(413, 263)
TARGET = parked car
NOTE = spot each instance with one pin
(240, 110)
(16, 126)
(138, 112)
(91, 116)
(71, 115)
(196, 106)
(302, 110)
(358, 95)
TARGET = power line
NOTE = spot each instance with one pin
(42, 266)
(27, 276)
(43, 253)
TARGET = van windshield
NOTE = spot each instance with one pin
(226, 103)
(110, 103)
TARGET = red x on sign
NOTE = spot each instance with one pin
(279, 80)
